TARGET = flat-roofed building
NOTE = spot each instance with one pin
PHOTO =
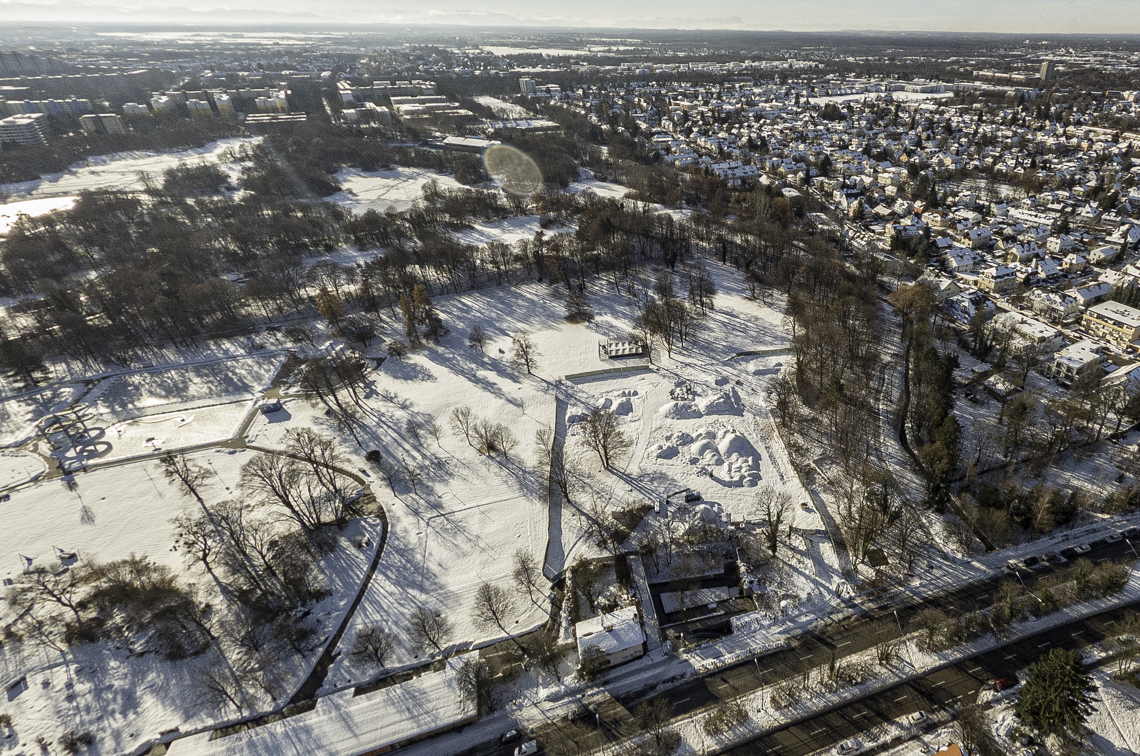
(1114, 322)
(24, 130)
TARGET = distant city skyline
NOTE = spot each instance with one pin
(1003, 16)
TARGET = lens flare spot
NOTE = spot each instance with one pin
(513, 169)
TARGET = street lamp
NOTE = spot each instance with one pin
(1023, 585)
(902, 636)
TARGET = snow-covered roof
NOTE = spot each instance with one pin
(343, 724)
(617, 631)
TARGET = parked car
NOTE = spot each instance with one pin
(1115, 537)
(1004, 683)
(847, 746)
(510, 736)
(1052, 557)
(1030, 562)
(917, 718)
(1130, 532)
(527, 748)
(1083, 548)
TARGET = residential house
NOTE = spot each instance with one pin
(618, 634)
(997, 279)
(1073, 362)
(962, 308)
(1053, 305)
(1092, 293)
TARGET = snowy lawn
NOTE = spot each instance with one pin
(397, 188)
(122, 171)
(11, 211)
(126, 699)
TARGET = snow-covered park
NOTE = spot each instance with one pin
(695, 419)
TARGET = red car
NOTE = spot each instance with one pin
(1005, 683)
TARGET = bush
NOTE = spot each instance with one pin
(73, 743)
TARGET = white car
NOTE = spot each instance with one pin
(1114, 538)
(917, 718)
(847, 746)
(1083, 548)
(527, 748)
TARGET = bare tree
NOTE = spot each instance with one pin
(592, 663)
(428, 629)
(217, 685)
(602, 529)
(412, 429)
(493, 607)
(39, 596)
(527, 575)
(601, 433)
(392, 473)
(477, 339)
(774, 506)
(397, 349)
(189, 475)
(412, 474)
(433, 429)
(477, 686)
(374, 644)
(197, 536)
(524, 353)
(462, 422)
(653, 717)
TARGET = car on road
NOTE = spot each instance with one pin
(847, 746)
(527, 748)
(1052, 557)
(1115, 538)
(510, 736)
(917, 718)
(1130, 532)
(1083, 548)
(1030, 562)
(1011, 566)
(1004, 683)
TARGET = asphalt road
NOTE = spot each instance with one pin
(814, 649)
(943, 690)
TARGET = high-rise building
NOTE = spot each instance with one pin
(24, 129)
(199, 109)
(225, 105)
(102, 123)
(1047, 70)
(527, 86)
(134, 109)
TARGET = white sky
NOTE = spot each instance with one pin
(1019, 16)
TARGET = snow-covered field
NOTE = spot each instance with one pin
(109, 513)
(397, 188)
(10, 211)
(503, 108)
(122, 171)
(183, 388)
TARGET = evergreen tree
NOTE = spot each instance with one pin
(1058, 695)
